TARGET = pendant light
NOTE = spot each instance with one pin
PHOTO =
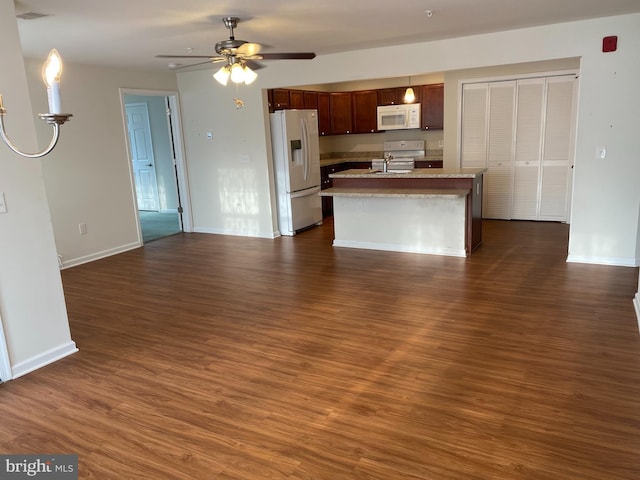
(409, 96)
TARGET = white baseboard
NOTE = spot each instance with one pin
(43, 359)
(98, 255)
(450, 252)
(220, 231)
(613, 261)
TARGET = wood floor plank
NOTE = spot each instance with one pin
(215, 357)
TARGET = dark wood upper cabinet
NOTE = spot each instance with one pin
(341, 113)
(324, 116)
(340, 107)
(281, 99)
(310, 100)
(432, 105)
(270, 100)
(391, 96)
(296, 98)
(365, 111)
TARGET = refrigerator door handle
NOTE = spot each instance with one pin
(305, 193)
(305, 147)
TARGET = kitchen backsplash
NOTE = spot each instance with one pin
(429, 154)
(371, 145)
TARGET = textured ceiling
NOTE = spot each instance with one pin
(129, 33)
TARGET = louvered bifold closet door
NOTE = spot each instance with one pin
(528, 155)
(498, 181)
(557, 148)
(475, 108)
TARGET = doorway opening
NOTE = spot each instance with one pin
(157, 166)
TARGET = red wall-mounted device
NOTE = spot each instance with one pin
(610, 44)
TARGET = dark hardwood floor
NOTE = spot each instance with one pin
(215, 357)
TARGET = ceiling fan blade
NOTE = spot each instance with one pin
(249, 49)
(180, 67)
(288, 56)
(184, 56)
(253, 65)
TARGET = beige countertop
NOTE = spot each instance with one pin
(395, 192)
(336, 161)
(415, 173)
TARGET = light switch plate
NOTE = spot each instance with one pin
(3, 204)
(601, 153)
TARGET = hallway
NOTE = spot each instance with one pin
(157, 225)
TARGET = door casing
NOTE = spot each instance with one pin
(180, 159)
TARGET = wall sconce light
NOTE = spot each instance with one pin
(51, 75)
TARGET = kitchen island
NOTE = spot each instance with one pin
(425, 210)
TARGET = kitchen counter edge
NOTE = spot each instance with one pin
(326, 162)
(416, 173)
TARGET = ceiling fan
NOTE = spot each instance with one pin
(240, 56)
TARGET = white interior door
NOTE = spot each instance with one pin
(529, 127)
(499, 177)
(144, 172)
(475, 112)
(557, 150)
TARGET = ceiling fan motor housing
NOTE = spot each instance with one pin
(228, 47)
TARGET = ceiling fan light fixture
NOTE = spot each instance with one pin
(237, 73)
(222, 75)
(409, 96)
(249, 75)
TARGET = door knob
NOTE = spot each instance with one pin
(149, 164)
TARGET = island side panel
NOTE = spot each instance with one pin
(434, 225)
(474, 205)
(473, 230)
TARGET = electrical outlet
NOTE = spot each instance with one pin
(82, 227)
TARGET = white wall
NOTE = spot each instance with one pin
(231, 174)
(604, 226)
(34, 316)
(607, 193)
(87, 177)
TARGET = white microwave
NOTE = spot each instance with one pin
(399, 117)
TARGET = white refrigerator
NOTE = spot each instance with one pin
(296, 158)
